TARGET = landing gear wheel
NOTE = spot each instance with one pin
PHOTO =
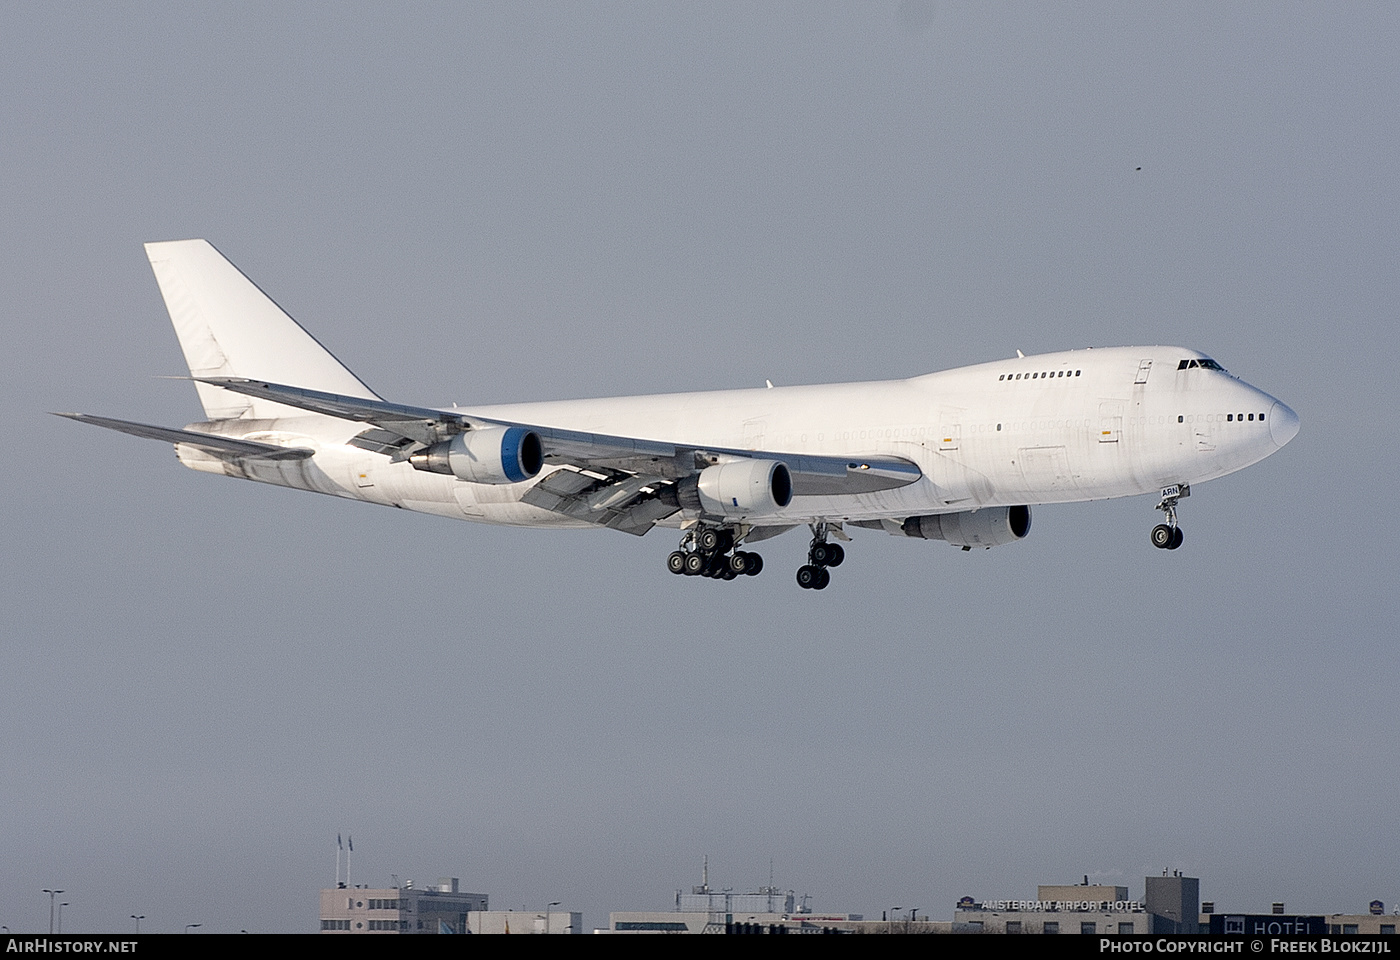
(821, 554)
(676, 562)
(739, 563)
(755, 566)
(1167, 536)
(694, 564)
(707, 541)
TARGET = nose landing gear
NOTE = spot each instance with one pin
(1167, 536)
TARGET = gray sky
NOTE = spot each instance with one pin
(204, 681)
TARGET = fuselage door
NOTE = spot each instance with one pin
(949, 436)
(753, 433)
(1110, 421)
(1144, 368)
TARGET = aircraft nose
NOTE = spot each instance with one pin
(1283, 423)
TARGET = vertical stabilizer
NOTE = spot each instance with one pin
(229, 328)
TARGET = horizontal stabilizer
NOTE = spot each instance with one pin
(205, 441)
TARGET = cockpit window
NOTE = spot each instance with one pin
(1205, 363)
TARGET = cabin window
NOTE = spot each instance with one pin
(1181, 419)
(1229, 416)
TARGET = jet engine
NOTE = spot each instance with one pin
(488, 455)
(740, 488)
(989, 527)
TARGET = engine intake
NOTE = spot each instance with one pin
(489, 455)
(989, 527)
(740, 488)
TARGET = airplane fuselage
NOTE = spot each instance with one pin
(1055, 428)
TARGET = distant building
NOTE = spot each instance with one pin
(705, 910)
(1175, 903)
(1087, 909)
(525, 921)
(442, 908)
(1361, 923)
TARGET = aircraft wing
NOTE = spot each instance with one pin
(610, 480)
(205, 441)
(812, 475)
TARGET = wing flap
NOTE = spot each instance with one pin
(628, 503)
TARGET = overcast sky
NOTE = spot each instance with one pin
(206, 680)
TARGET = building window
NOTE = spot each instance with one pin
(1013, 926)
(1088, 926)
(1387, 928)
(1125, 928)
(1348, 928)
(1051, 926)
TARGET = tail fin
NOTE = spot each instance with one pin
(229, 328)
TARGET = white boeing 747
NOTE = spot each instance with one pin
(959, 456)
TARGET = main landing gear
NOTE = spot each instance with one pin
(813, 574)
(709, 552)
(1167, 536)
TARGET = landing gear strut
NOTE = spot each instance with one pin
(1167, 536)
(813, 574)
(709, 552)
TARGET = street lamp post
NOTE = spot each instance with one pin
(52, 895)
(138, 920)
(552, 905)
(191, 926)
(60, 917)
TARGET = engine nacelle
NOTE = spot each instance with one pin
(989, 527)
(740, 488)
(488, 455)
